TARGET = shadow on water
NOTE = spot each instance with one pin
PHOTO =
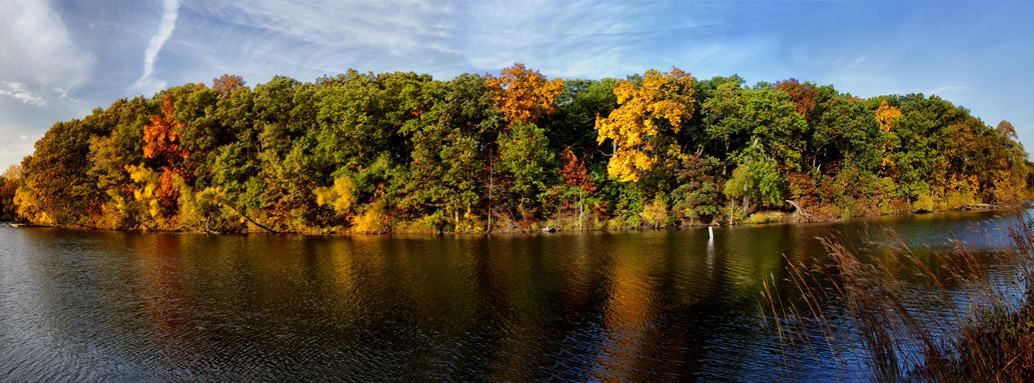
(622, 306)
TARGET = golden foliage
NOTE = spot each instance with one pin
(923, 203)
(373, 220)
(655, 213)
(886, 114)
(147, 193)
(340, 196)
(156, 190)
(29, 207)
(13, 173)
(662, 102)
(523, 95)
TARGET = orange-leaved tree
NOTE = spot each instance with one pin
(801, 95)
(161, 143)
(161, 140)
(227, 84)
(523, 95)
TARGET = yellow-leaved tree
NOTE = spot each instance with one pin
(642, 128)
(340, 197)
(885, 115)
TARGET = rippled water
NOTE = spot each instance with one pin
(80, 306)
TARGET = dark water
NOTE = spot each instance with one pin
(673, 305)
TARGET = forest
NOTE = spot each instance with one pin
(405, 153)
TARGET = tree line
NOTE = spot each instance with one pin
(402, 152)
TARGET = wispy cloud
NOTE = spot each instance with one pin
(170, 11)
(946, 90)
(446, 38)
(35, 47)
(314, 38)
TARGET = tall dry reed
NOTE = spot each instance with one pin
(881, 311)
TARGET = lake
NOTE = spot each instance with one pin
(85, 306)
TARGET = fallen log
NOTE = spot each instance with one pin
(799, 210)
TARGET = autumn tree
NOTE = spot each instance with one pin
(162, 145)
(161, 139)
(9, 182)
(226, 84)
(641, 129)
(885, 115)
(1003, 164)
(1005, 129)
(523, 95)
(577, 181)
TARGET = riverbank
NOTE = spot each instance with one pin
(15, 224)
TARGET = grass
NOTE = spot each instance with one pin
(962, 315)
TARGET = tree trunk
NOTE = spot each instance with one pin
(253, 221)
(581, 208)
(725, 160)
(746, 200)
(491, 186)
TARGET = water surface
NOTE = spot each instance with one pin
(78, 306)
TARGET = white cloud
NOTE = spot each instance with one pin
(170, 12)
(17, 91)
(12, 151)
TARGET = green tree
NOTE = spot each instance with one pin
(57, 187)
(525, 158)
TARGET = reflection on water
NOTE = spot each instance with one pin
(627, 306)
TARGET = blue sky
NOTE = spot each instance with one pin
(61, 59)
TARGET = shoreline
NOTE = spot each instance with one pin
(783, 218)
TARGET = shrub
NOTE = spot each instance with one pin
(923, 204)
